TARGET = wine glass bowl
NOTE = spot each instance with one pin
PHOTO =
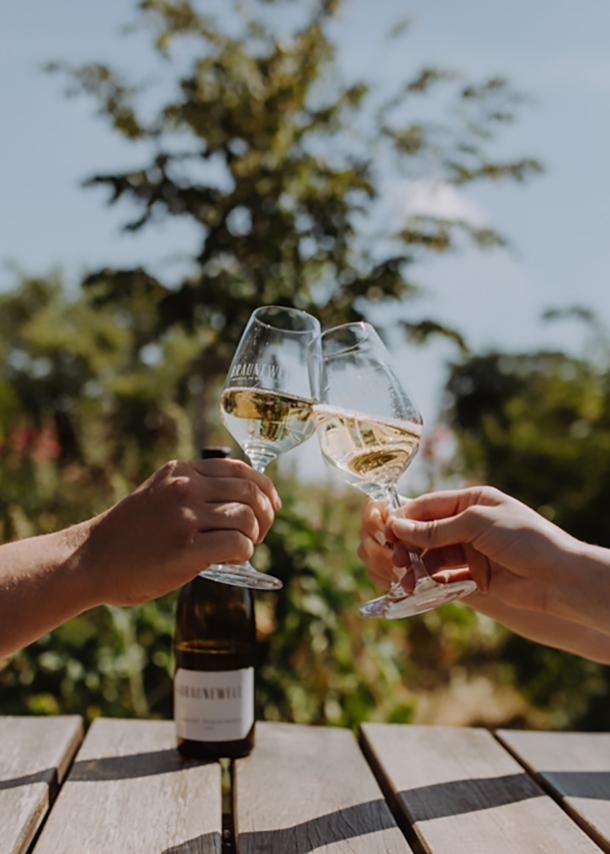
(369, 432)
(266, 403)
(368, 428)
(369, 454)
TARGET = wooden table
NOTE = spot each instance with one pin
(304, 789)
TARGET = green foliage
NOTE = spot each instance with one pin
(112, 662)
(279, 165)
(315, 635)
(537, 426)
(88, 414)
(87, 417)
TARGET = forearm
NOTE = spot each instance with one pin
(546, 629)
(42, 583)
(582, 591)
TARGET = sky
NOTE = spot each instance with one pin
(557, 224)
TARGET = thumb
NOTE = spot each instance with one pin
(463, 528)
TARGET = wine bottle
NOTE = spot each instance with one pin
(215, 651)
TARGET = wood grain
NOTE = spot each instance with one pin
(130, 792)
(463, 793)
(35, 753)
(308, 789)
(575, 768)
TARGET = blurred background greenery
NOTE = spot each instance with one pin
(277, 163)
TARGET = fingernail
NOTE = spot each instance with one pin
(380, 537)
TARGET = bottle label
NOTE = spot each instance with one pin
(214, 706)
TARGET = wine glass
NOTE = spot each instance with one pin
(369, 431)
(266, 404)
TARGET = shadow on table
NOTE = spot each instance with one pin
(132, 765)
(348, 823)
(463, 796)
(208, 843)
(579, 784)
(48, 776)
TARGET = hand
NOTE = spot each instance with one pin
(376, 550)
(532, 577)
(182, 519)
(185, 517)
(514, 554)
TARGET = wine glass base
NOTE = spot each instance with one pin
(241, 575)
(427, 595)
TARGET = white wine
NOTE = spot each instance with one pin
(215, 651)
(265, 421)
(367, 453)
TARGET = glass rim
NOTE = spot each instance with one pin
(371, 334)
(313, 325)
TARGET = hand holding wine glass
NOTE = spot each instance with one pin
(266, 404)
(369, 431)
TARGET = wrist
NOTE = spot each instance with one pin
(581, 591)
(81, 565)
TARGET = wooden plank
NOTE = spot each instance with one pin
(35, 753)
(308, 789)
(463, 793)
(130, 791)
(575, 768)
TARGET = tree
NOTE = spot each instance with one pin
(277, 163)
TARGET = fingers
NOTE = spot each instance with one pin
(229, 489)
(465, 527)
(450, 576)
(221, 546)
(230, 516)
(441, 505)
(378, 560)
(225, 496)
(374, 519)
(373, 550)
(443, 565)
(434, 559)
(239, 469)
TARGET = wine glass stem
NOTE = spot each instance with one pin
(420, 572)
(259, 459)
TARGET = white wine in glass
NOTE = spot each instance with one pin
(266, 423)
(369, 431)
(266, 404)
(364, 449)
